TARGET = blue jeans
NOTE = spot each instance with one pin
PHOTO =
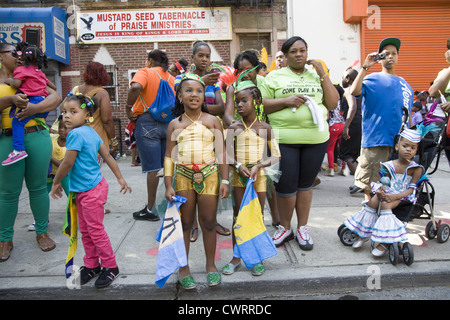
(18, 127)
(151, 142)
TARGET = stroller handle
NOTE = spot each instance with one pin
(405, 115)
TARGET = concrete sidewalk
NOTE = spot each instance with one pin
(329, 267)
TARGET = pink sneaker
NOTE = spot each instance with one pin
(14, 156)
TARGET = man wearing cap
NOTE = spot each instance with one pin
(383, 96)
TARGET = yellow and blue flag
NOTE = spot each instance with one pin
(172, 251)
(253, 243)
(70, 229)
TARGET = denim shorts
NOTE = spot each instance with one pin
(151, 142)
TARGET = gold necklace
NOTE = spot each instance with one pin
(193, 120)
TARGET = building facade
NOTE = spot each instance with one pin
(120, 33)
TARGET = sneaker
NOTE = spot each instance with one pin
(329, 172)
(106, 277)
(14, 156)
(282, 235)
(145, 214)
(304, 238)
(354, 189)
(86, 274)
(32, 227)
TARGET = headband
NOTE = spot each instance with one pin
(246, 84)
(192, 76)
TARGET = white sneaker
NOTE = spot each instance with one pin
(304, 238)
(329, 172)
(282, 235)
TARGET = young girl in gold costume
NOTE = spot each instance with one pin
(247, 142)
(195, 143)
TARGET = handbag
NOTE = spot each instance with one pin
(161, 108)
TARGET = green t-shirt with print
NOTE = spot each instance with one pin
(295, 127)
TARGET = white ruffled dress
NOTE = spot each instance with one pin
(385, 228)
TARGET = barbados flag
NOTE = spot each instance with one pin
(253, 243)
(70, 229)
(172, 252)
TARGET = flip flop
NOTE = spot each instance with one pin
(222, 230)
(194, 236)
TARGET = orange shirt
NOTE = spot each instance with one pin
(149, 80)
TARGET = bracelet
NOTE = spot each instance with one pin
(365, 68)
(323, 77)
(114, 141)
(224, 181)
(237, 166)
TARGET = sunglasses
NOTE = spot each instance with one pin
(13, 52)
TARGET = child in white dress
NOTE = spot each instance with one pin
(397, 185)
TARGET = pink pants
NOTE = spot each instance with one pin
(90, 207)
(336, 131)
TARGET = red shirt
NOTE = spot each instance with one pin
(34, 81)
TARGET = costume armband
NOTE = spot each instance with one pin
(274, 148)
(168, 166)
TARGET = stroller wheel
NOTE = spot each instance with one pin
(443, 233)
(408, 253)
(342, 226)
(394, 253)
(430, 231)
(347, 237)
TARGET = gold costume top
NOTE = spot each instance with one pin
(195, 144)
(249, 146)
(249, 151)
(196, 169)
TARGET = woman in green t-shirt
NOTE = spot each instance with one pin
(296, 101)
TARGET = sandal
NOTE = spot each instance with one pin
(222, 230)
(194, 234)
(5, 250)
(187, 283)
(213, 279)
(45, 242)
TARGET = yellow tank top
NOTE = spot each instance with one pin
(195, 144)
(249, 146)
(58, 152)
(6, 90)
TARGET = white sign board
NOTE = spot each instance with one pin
(158, 25)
